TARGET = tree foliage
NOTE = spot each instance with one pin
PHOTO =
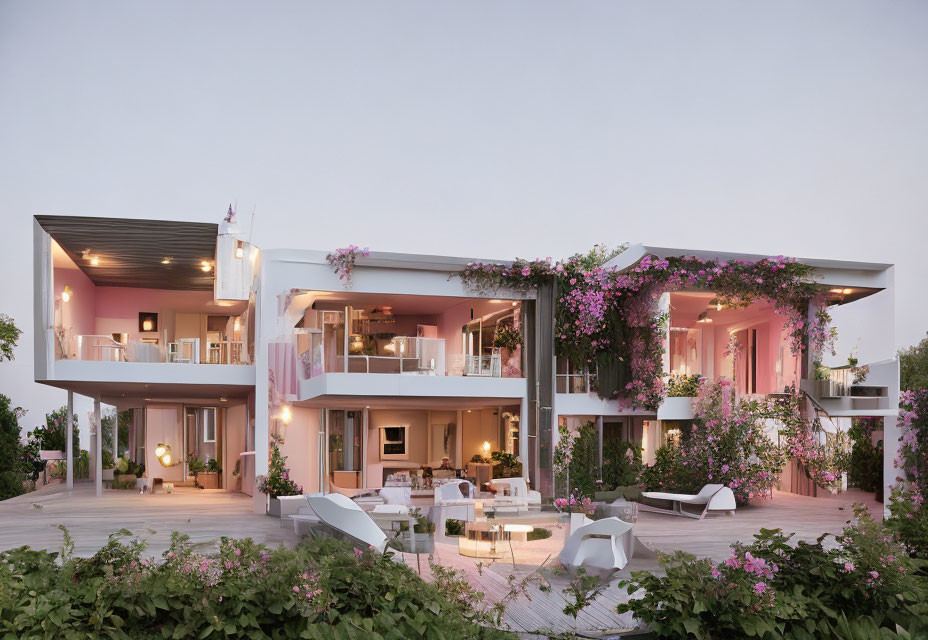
(9, 337)
(13, 468)
(913, 366)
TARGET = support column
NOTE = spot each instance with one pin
(69, 444)
(115, 437)
(98, 448)
(523, 438)
(599, 436)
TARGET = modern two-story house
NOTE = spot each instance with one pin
(220, 348)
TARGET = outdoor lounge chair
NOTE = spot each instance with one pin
(712, 497)
(598, 546)
(344, 516)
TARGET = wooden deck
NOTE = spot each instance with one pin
(33, 519)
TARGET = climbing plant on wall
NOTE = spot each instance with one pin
(610, 319)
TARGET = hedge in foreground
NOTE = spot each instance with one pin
(869, 587)
(322, 589)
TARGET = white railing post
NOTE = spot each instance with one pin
(69, 445)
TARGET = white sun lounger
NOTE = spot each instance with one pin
(343, 515)
(598, 546)
(712, 497)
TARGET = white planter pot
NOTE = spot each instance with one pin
(676, 409)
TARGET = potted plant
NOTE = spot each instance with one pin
(108, 463)
(209, 479)
(195, 466)
(277, 482)
(127, 473)
(507, 338)
(825, 387)
(505, 465)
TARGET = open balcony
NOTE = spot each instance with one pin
(411, 344)
(133, 301)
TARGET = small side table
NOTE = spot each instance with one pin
(480, 540)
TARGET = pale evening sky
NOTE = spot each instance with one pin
(494, 129)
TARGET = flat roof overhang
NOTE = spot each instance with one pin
(159, 380)
(128, 394)
(131, 252)
(409, 402)
(368, 388)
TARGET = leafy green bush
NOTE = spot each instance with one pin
(538, 533)
(683, 386)
(454, 527)
(13, 468)
(774, 590)
(583, 470)
(909, 521)
(865, 470)
(621, 463)
(322, 589)
(507, 465)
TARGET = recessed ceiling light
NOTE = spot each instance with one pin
(167, 260)
(94, 261)
(205, 265)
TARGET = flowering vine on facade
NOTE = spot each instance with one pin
(342, 261)
(609, 319)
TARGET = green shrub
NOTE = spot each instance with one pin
(774, 590)
(909, 520)
(865, 470)
(538, 533)
(683, 386)
(621, 463)
(454, 527)
(322, 589)
(583, 470)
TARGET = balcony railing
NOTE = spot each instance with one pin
(488, 366)
(406, 355)
(103, 348)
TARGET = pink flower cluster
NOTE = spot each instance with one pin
(343, 260)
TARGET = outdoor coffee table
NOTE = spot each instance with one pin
(480, 540)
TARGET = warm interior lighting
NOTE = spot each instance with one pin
(286, 415)
(239, 252)
(515, 304)
(147, 325)
(847, 291)
(705, 320)
(389, 347)
(237, 326)
(718, 306)
(206, 266)
(486, 447)
(495, 301)
(66, 294)
(94, 261)
(163, 453)
(167, 260)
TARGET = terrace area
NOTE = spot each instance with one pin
(207, 515)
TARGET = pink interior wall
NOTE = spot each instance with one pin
(118, 308)
(234, 443)
(771, 334)
(163, 423)
(301, 447)
(76, 315)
